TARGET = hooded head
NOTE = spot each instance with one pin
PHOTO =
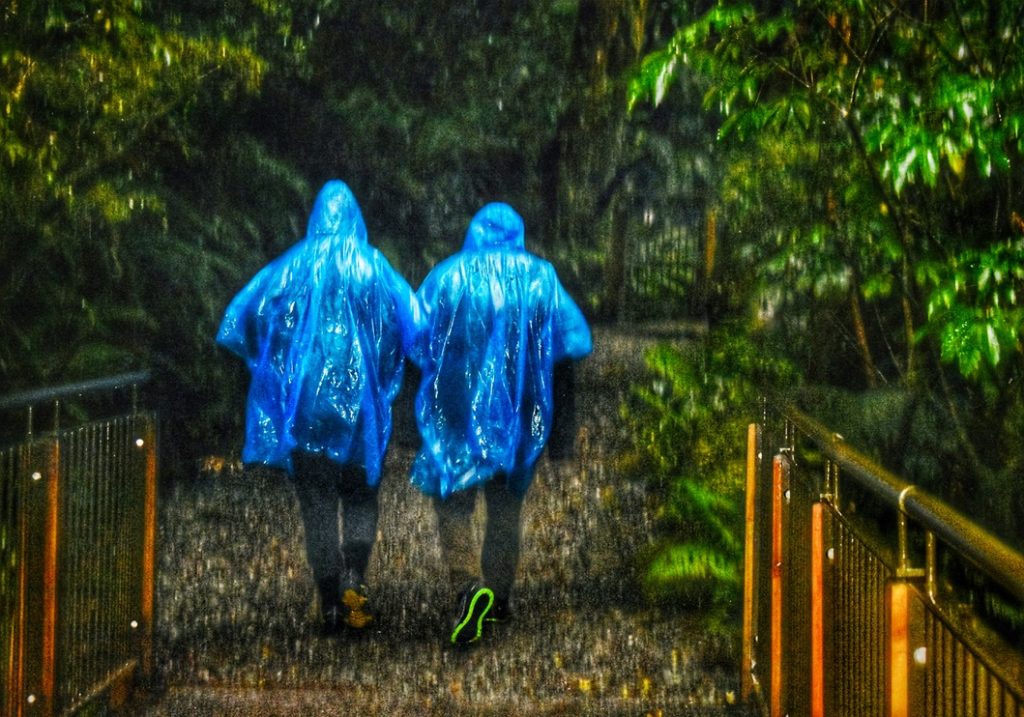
(336, 213)
(495, 226)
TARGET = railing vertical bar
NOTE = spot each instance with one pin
(929, 681)
(872, 598)
(983, 691)
(78, 544)
(119, 507)
(938, 681)
(881, 579)
(27, 534)
(857, 639)
(97, 508)
(51, 577)
(92, 510)
(839, 603)
(853, 666)
(863, 578)
(970, 687)
(70, 547)
(948, 675)
(842, 601)
(11, 491)
(129, 492)
(108, 589)
(958, 678)
(92, 526)
(124, 498)
(1002, 706)
(856, 609)
(875, 627)
(73, 448)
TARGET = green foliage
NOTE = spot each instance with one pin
(688, 426)
(976, 305)
(899, 130)
(132, 198)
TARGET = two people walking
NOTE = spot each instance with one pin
(325, 330)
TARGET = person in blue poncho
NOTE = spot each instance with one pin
(324, 330)
(496, 321)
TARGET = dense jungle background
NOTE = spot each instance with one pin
(824, 197)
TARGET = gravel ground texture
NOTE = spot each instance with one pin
(237, 619)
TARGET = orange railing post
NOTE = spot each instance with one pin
(905, 636)
(817, 676)
(853, 624)
(148, 434)
(905, 629)
(40, 567)
(780, 480)
(749, 568)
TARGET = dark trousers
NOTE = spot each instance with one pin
(496, 563)
(321, 485)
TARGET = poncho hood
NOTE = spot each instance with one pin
(496, 226)
(336, 214)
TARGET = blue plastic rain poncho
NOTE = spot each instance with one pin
(495, 321)
(324, 329)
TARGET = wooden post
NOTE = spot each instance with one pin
(817, 676)
(148, 437)
(780, 478)
(749, 572)
(905, 635)
(41, 575)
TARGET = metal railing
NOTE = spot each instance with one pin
(863, 594)
(77, 550)
(663, 274)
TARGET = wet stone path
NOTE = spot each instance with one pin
(236, 616)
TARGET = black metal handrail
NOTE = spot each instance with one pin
(60, 393)
(989, 554)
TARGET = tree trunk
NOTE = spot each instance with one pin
(867, 360)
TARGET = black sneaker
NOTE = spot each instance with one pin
(500, 611)
(474, 604)
(330, 606)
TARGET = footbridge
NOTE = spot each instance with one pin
(120, 593)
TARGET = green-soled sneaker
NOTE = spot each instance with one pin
(474, 604)
(356, 613)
